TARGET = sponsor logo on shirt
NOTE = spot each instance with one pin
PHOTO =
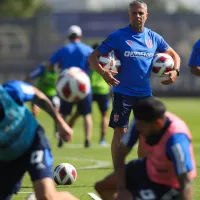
(138, 54)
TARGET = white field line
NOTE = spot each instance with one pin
(94, 196)
(81, 146)
(97, 163)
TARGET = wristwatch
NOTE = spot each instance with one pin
(177, 71)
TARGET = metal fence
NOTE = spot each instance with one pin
(26, 43)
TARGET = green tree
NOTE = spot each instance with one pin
(183, 9)
(20, 8)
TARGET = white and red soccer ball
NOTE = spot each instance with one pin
(73, 84)
(110, 62)
(162, 63)
(65, 174)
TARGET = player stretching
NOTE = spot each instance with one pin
(169, 168)
(101, 95)
(75, 53)
(135, 46)
(23, 144)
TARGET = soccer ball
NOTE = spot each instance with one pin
(65, 174)
(73, 84)
(110, 62)
(162, 63)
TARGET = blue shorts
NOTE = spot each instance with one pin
(122, 107)
(102, 101)
(84, 106)
(37, 161)
(139, 184)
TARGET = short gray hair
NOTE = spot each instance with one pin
(137, 2)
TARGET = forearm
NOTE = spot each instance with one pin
(185, 194)
(186, 191)
(46, 105)
(177, 61)
(176, 58)
(94, 63)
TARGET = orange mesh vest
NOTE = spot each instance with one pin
(159, 168)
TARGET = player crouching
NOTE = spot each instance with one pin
(169, 168)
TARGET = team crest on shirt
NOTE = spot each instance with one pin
(116, 117)
(149, 43)
(129, 42)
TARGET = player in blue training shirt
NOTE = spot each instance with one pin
(75, 53)
(166, 172)
(135, 46)
(194, 61)
(23, 144)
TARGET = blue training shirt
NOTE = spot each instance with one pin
(135, 51)
(17, 124)
(195, 55)
(73, 54)
(20, 91)
(177, 149)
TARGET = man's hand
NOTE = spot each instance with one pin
(108, 77)
(171, 77)
(65, 131)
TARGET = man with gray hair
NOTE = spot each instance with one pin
(135, 46)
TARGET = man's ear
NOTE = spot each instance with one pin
(159, 122)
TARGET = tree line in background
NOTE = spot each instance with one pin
(21, 8)
(29, 8)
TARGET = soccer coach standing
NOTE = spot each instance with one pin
(135, 46)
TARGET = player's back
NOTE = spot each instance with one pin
(17, 124)
(166, 173)
(75, 54)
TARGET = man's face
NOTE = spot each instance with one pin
(145, 128)
(138, 16)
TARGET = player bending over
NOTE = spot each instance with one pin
(23, 144)
(169, 168)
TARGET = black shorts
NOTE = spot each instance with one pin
(122, 107)
(84, 106)
(139, 184)
(102, 101)
(37, 161)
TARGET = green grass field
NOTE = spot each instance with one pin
(94, 163)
